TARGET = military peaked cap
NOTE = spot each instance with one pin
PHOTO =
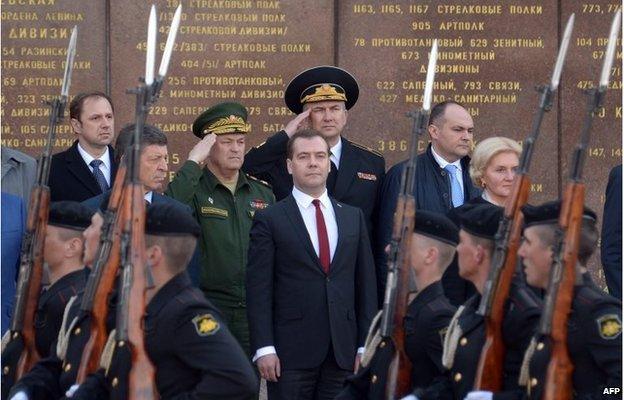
(323, 83)
(222, 119)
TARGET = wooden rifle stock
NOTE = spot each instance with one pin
(102, 279)
(31, 265)
(489, 374)
(558, 385)
(399, 382)
(141, 380)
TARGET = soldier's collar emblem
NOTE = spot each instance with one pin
(609, 326)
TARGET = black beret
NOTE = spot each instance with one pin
(480, 219)
(70, 215)
(323, 83)
(167, 219)
(222, 119)
(548, 213)
(436, 226)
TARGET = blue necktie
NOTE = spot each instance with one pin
(99, 176)
(457, 194)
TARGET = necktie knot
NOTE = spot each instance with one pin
(96, 163)
(316, 202)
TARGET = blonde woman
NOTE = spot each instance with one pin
(493, 167)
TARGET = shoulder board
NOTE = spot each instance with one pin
(253, 178)
(361, 146)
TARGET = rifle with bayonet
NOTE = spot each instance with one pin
(102, 278)
(558, 301)
(135, 278)
(20, 353)
(397, 285)
(489, 374)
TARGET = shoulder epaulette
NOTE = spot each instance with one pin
(361, 146)
(253, 178)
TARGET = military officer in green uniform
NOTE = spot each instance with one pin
(224, 200)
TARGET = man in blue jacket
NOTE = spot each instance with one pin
(442, 182)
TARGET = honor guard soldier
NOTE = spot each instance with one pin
(62, 252)
(428, 314)
(594, 336)
(193, 351)
(465, 336)
(224, 200)
(52, 376)
(321, 97)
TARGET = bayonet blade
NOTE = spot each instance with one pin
(69, 62)
(563, 50)
(173, 31)
(151, 47)
(608, 61)
(433, 58)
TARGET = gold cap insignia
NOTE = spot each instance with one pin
(230, 124)
(609, 326)
(205, 325)
(323, 92)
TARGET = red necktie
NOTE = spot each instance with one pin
(323, 240)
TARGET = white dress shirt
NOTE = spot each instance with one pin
(149, 196)
(443, 163)
(308, 213)
(335, 153)
(105, 167)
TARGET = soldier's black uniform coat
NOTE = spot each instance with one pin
(425, 323)
(51, 377)
(595, 348)
(48, 320)
(360, 174)
(190, 363)
(51, 306)
(522, 313)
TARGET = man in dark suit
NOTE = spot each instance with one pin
(153, 160)
(611, 242)
(87, 168)
(441, 183)
(310, 282)
(321, 97)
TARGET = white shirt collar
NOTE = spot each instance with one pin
(305, 200)
(442, 162)
(336, 152)
(88, 157)
(149, 196)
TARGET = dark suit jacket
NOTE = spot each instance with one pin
(359, 179)
(292, 304)
(71, 178)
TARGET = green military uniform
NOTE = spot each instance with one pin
(225, 219)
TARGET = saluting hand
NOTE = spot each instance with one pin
(199, 153)
(299, 122)
(269, 367)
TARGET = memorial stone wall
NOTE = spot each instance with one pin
(492, 56)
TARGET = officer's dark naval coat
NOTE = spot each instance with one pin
(195, 355)
(594, 346)
(360, 173)
(522, 312)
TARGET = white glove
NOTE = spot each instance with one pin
(20, 396)
(70, 392)
(479, 395)
(410, 397)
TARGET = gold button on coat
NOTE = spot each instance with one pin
(458, 377)
(67, 367)
(463, 341)
(540, 346)
(533, 381)
(374, 378)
